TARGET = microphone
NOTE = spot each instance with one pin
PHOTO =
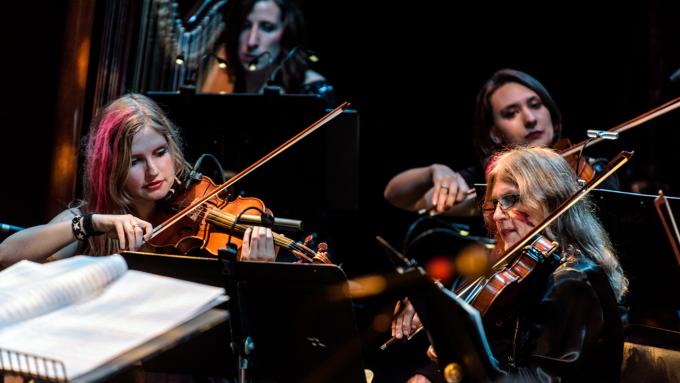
(603, 134)
(252, 64)
(268, 220)
(7, 228)
(675, 76)
(270, 87)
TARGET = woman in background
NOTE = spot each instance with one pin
(261, 36)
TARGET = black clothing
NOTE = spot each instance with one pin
(571, 332)
(574, 332)
(473, 175)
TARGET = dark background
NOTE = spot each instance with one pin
(413, 68)
(412, 71)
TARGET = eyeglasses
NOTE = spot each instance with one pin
(507, 201)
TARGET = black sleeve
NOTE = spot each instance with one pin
(472, 175)
(559, 338)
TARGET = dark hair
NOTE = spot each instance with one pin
(484, 112)
(292, 74)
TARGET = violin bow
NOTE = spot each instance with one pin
(636, 121)
(612, 166)
(673, 235)
(292, 141)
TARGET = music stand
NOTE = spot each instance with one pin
(239, 129)
(454, 328)
(645, 254)
(293, 322)
(191, 357)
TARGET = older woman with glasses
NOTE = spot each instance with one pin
(568, 328)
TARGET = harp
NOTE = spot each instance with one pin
(154, 45)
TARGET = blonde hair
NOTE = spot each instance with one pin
(107, 157)
(544, 180)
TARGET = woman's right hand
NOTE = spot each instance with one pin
(448, 188)
(130, 231)
(406, 320)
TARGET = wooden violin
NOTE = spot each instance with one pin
(215, 223)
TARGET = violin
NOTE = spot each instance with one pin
(496, 298)
(214, 223)
(202, 219)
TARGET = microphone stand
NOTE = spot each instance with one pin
(270, 88)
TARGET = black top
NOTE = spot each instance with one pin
(573, 332)
(570, 332)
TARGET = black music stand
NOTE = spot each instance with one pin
(239, 129)
(645, 254)
(293, 322)
(191, 357)
(454, 328)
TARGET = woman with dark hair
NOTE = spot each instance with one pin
(513, 109)
(566, 325)
(261, 36)
(133, 159)
(493, 117)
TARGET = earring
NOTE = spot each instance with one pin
(494, 138)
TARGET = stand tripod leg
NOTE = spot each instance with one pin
(246, 350)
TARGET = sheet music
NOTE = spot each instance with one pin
(29, 289)
(132, 310)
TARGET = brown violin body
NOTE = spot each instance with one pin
(211, 224)
(505, 289)
(194, 230)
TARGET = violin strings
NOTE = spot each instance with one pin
(226, 220)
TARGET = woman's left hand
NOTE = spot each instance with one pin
(258, 245)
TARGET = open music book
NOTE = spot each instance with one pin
(61, 320)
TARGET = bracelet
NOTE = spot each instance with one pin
(77, 228)
(89, 227)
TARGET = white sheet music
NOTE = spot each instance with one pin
(29, 289)
(133, 309)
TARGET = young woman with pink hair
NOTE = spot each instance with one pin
(133, 159)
